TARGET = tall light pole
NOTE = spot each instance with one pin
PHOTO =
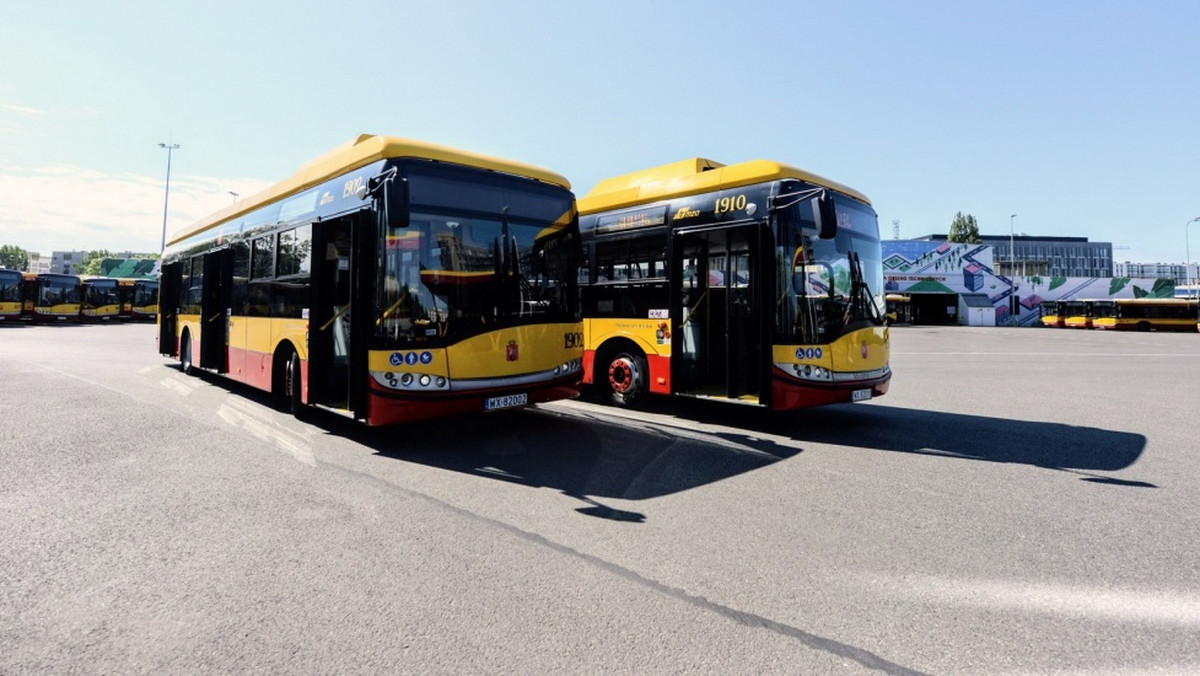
(167, 194)
(1012, 269)
(1012, 251)
(235, 195)
(1187, 250)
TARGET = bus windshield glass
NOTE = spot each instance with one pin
(505, 258)
(101, 292)
(836, 285)
(58, 290)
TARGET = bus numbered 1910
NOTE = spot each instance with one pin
(754, 283)
(388, 280)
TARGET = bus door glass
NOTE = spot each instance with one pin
(168, 308)
(719, 333)
(215, 300)
(337, 368)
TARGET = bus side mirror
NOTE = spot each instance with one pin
(825, 215)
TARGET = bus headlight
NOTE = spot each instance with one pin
(425, 380)
(406, 379)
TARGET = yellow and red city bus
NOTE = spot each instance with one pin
(755, 283)
(12, 295)
(389, 280)
(1149, 314)
(1076, 314)
(1052, 314)
(139, 299)
(56, 298)
(100, 299)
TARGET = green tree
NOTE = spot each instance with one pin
(90, 265)
(963, 229)
(14, 258)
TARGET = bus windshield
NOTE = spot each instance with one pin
(58, 290)
(101, 292)
(836, 284)
(452, 273)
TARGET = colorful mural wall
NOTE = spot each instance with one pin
(919, 267)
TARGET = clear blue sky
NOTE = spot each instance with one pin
(1079, 117)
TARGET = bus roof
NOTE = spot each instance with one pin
(360, 152)
(694, 176)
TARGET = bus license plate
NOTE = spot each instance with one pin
(507, 402)
(860, 395)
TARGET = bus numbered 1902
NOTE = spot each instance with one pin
(389, 280)
(754, 283)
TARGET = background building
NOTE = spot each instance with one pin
(65, 262)
(1176, 272)
(1046, 256)
(938, 282)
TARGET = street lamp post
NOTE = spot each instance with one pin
(1012, 268)
(1012, 251)
(167, 193)
(235, 195)
(1187, 263)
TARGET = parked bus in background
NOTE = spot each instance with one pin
(1149, 314)
(101, 299)
(389, 280)
(756, 283)
(57, 298)
(12, 295)
(139, 299)
(899, 308)
(1052, 314)
(1076, 314)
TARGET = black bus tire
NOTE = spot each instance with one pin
(186, 365)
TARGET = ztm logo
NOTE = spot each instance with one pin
(864, 349)
(510, 352)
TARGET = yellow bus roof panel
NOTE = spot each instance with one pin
(358, 153)
(695, 176)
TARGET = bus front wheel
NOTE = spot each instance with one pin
(627, 379)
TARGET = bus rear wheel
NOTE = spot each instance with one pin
(627, 379)
(185, 355)
(292, 386)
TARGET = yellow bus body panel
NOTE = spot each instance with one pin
(643, 332)
(844, 355)
(363, 150)
(693, 177)
(537, 348)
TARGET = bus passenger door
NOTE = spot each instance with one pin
(214, 309)
(168, 308)
(719, 337)
(339, 320)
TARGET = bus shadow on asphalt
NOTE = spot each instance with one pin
(586, 458)
(1048, 445)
